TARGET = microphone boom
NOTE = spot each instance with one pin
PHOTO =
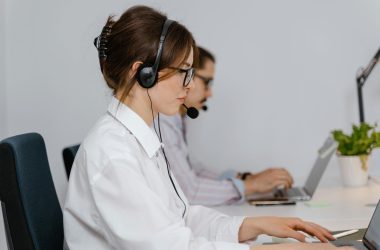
(191, 112)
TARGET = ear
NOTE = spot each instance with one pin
(135, 66)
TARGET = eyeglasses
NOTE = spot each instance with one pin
(189, 74)
(208, 81)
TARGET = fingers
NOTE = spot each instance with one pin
(283, 171)
(281, 174)
(278, 183)
(269, 179)
(325, 231)
(285, 180)
(313, 229)
(262, 186)
(275, 174)
(289, 175)
(326, 234)
(295, 235)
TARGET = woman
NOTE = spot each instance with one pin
(121, 194)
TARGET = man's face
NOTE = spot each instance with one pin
(201, 90)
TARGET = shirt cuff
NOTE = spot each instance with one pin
(229, 174)
(239, 185)
(229, 230)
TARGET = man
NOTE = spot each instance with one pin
(200, 185)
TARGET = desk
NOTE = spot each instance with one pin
(345, 207)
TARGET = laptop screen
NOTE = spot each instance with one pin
(372, 236)
(324, 156)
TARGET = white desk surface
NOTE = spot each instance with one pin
(343, 208)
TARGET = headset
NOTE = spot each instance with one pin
(147, 74)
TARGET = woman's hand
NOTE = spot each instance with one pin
(281, 227)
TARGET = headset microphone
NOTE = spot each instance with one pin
(191, 112)
(204, 108)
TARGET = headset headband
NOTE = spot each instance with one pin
(167, 24)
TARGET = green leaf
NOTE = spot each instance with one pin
(360, 142)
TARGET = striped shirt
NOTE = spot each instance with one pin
(200, 185)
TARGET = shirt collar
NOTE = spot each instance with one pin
(136, 125)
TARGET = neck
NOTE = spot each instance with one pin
(139, 102)
(182, 111)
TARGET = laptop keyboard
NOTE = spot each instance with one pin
(293, 192)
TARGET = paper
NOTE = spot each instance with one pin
(317, 204)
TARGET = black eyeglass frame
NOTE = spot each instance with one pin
(208, 81)
(189, 74)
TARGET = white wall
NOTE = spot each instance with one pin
(2, 100)
(2, 70)
(285, 74)
(285, 78)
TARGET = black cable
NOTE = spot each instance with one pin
(151, 108)
(171, 180)
(163, 152)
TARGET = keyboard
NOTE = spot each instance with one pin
(293, 192)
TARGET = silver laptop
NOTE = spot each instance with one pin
(371, 239)
(306, 192)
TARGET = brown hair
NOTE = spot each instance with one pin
(203, 56)
(135, 37)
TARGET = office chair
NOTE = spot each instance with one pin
(68, 157)
(27, 190)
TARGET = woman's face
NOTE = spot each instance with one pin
(169, 94)
(198, 95)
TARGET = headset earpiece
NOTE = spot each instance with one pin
(146, 76)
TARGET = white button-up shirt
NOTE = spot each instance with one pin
(120, 195)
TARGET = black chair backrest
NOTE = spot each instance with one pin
(68, 157)
(27, 190)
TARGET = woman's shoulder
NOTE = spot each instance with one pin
(106, 143)
(109, 137)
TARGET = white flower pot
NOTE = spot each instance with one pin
(354, 169)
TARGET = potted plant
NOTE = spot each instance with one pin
(354, 152)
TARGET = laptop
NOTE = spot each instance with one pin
(306, 192)
(371, 239)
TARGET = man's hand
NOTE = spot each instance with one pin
(267, 180)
